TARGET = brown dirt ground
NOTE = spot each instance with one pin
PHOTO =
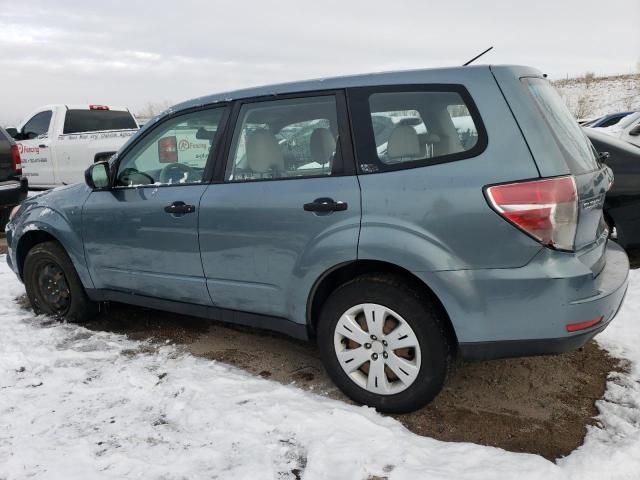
(538, 405)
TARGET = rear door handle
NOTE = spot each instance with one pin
(179, 208)
(42, 145)
(325, 205)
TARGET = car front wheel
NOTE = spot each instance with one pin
(53, 286)
(383, 344)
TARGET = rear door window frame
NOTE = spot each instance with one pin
(364, 138)
(344, 163)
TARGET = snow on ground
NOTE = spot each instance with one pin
(78, 404)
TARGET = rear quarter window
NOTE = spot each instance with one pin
(78, 121)
(413, 126)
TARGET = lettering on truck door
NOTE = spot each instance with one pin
(35, 151)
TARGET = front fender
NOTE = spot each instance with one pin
(64, 227)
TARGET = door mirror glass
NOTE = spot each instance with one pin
(635, 131)
(97, 176)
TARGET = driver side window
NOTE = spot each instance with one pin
(38, 126)
(175, 152)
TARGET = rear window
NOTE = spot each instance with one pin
(78, 121)
(570, 138)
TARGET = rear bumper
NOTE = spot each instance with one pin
(525, 311)
(527, 348)
(12, 192)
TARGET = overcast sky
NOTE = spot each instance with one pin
(132, 52)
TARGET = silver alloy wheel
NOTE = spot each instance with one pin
(377, 348)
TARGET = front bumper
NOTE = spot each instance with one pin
(525, 311)
(12, 192)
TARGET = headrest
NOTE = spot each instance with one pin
(263, 152)
(403, 144)
(322, 145)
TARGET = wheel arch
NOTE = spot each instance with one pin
(32, 232)
(27, 241)
(342, 273)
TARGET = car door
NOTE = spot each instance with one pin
(35, 151)
(141, 236)
(286, 207)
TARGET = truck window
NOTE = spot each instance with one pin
(78, 121)
(38, 125)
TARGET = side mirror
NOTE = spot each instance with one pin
(97, 176)
(635, 131)
(13, 131)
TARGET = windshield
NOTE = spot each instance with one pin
(573, 143)
(78, 121)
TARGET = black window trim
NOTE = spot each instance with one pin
(344, 167)
(362, 127)
(211, 159)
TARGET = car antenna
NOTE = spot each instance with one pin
(477, 57)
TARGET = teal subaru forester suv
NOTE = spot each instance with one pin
(397, 219)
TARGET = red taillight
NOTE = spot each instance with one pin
(168, 150)
(546, 209)
(16, 162)
(98, 107)
(574, 327)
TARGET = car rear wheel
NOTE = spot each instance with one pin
(383, 344)
(53, 286)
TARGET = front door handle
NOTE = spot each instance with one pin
(42, 145)
(179, 208)
(325, 205)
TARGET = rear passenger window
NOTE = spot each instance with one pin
(284, 139)
(415, 128)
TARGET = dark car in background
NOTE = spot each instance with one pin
(622, 203)
(607, 120)
(13, 187)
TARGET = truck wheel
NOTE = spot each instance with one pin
(4, 218)
(383, 344)
(53, 286)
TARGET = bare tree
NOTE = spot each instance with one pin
(588, 79)
(151, 109)
(583, 107)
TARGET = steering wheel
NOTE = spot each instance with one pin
(177, 173)
(131, 176)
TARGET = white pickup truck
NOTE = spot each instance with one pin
(58, 142)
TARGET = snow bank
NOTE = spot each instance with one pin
(592, 98)
(81, 404)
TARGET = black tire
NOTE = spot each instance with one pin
(4, 218)
(416, 310)
(48, 261)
